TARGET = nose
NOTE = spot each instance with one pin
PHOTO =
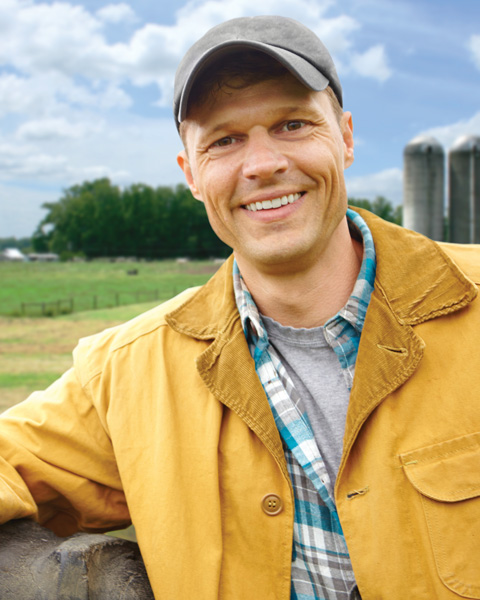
(263, 158)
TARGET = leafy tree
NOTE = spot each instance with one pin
(40, 240)
(84, 220)
(143, 215)
(98, 219)
(381, 207)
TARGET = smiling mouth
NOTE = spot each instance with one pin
(275, 203)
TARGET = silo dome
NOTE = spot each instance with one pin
(467, 143)
(424, 144)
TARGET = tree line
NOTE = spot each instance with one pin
(24, 244)
(99, 219)
(381, 207)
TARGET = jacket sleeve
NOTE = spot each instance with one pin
(57, 463)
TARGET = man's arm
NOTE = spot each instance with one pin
(57, 463)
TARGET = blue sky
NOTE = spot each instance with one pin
(85, 87)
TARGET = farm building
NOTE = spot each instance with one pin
(43, 257)
(12, 255)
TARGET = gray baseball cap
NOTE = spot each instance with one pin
(288, 41)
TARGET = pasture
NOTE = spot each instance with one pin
(36, 351)
(95, 284)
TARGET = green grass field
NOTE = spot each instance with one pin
(36, 351)
(93, 284)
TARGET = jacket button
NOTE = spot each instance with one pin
(272, 505)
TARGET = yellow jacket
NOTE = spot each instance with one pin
(163, 421)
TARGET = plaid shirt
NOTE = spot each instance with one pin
(321, 567)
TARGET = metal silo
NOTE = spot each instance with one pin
(424, 187)
(464, 190)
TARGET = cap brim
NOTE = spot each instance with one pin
(305, 72)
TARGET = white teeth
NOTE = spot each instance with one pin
(275, 203)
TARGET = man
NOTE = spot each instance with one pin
(302, 426)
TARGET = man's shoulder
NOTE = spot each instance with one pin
(466, 257)
(396, 244)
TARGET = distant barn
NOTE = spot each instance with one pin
(43, 257)
(12, 255)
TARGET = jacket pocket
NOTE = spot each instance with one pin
(447, 476)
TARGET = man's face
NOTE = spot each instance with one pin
(268, 163)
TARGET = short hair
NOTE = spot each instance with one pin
(239, 70)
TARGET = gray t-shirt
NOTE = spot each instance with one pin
(320, 382)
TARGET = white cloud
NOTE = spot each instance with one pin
(474, 47)
(43, 38)
(448, 134)
(371, 63)
(336, 33)
(57, 128)
(116, 13)
(388, 183)
(17, 95)
(28, 163)
(54, 93)
(99, 95)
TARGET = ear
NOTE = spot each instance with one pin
(184, 164)
(346, 126)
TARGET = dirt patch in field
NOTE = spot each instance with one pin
(38, 346)
(35, 363)
(202, 270)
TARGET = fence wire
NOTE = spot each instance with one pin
(64, 306)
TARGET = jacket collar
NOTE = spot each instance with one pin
(209, 312)
(415, 275)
